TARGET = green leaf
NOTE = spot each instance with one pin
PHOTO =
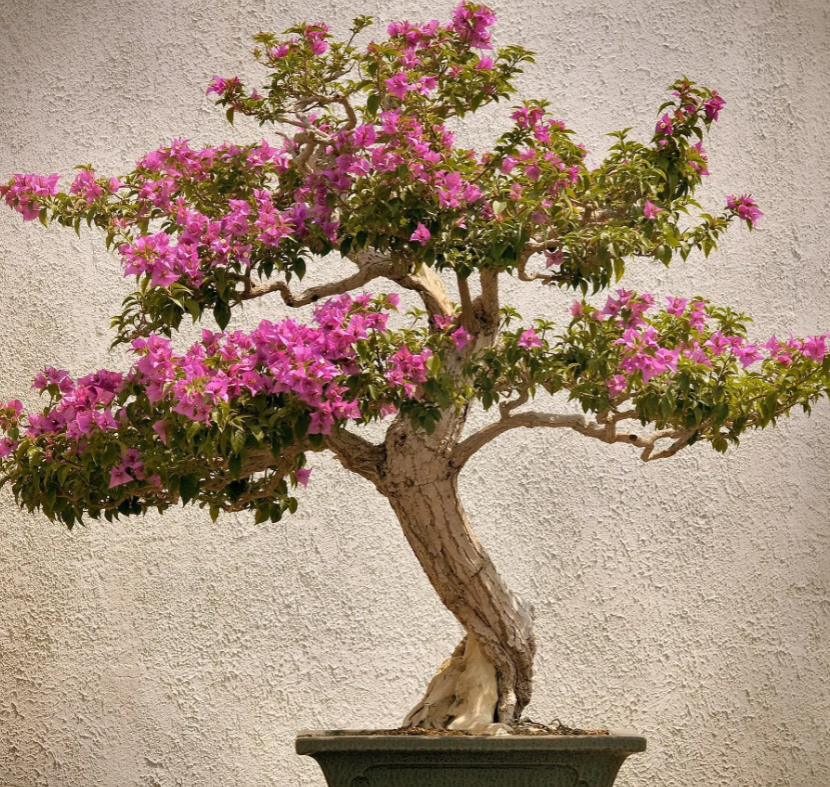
(235, 466)
(301, 426)
(222, 314)
(237, 441)
(188, 487)
(194, 308)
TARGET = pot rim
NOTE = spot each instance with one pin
(314, 741)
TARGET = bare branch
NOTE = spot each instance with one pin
(427, 283)
(591, 215)
(467, 319)
(579, 423)
(312, 294)
(358, 455)
(372, 265)
(505, 408)
(487, 303)
(521, 268)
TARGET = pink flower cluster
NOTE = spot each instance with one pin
(131, 469)
(202, 239)
(25, 193)
(712, 106)
(812, 347)
(690, 106)
(316, 37)
(414, 35)
(642, 351)
(745, 207)
(308, 363)
(224, 88)
(9, 417)
(287, 357)
(407, 370)
(84, 406)
(153, 254)
(473, 25)
(89, 189)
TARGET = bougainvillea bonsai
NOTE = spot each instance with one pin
(362, 163)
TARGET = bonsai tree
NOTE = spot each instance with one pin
(360, 162)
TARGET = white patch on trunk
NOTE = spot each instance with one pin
(463, 695)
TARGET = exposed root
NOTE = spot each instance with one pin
(462, 696)
(525, 726)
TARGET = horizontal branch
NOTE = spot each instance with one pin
(606, 432)
(371, 265)
(357, 454)
(313, 294)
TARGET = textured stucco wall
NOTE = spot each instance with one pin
(688, 600)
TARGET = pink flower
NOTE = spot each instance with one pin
(23, 193)
(747, 354)
(664, 126)
(471, 23)
(676, 306)
(160, 429)
(650, 210)
(814, 348)
(318, 46)
(397, 85)
(745, 207)
(462, 337)
(443, 321)
(278, 52)
(421, 234)
(577, 309)
(301, 475)
(699, 166)
(616, 385)
(224, 87)
(485, 64)
(118, 476)
(554, 258)
(426, 85)
(529, 339)
(712, 106)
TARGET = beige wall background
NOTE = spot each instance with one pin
(688, 600)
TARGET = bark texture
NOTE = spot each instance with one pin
(488, 680)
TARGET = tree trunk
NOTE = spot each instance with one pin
(488, 680)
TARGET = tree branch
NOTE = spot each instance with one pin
(371, 265)
(357, 454)
(487, 303)
(427, 283)
(358, 279)
(467, 319)
(579, 423)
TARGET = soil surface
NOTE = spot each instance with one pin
(522, 727)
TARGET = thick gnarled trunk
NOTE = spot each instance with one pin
(488, 680)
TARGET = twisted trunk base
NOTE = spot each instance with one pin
(463, 695)
(488, 680)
